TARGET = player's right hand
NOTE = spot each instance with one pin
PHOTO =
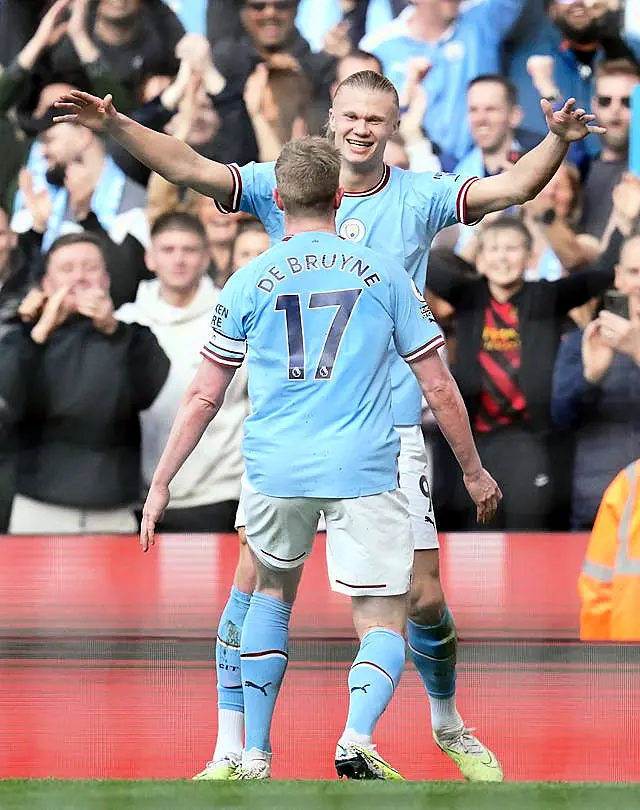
(152, 512)
(485, 493)
(83, 108)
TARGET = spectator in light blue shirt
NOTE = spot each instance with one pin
(460, 46)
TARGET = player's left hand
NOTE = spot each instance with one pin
(152, 512)
(568, 123)
(485, 493)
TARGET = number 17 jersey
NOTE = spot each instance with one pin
(315, 315)
(398, 217)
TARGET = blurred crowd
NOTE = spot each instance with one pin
(109, 274)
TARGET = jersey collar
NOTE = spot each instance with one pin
(386, 174)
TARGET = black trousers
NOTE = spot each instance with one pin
(533, 471)
(7, 491)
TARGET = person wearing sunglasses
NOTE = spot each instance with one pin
(615, 82)
(269, 34)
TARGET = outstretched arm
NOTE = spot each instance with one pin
(533, 171)
(445, 400)
(201, 402)
(174, 160)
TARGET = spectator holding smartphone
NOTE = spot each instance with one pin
(596, 381)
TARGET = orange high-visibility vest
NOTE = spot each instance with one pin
(609, 584)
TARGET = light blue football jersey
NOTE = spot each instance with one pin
(399, 217)
(315, 315)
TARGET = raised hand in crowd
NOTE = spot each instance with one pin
(94, 303)
(283, 61)
(541, 69)
(173, 94)
(55, 311)
(32, 305)
(52, 28)
(194, 50)
(414, 100)
(597, 354)
(181, 124)
(255, 89)
(626, 203)
(78, 33)
(38, 203)
(620, 334)
(269, 144)
(337, 41)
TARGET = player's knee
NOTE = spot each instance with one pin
(374, 613)
(280, 584)
(426, 601)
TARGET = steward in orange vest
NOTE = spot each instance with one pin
(609, 584)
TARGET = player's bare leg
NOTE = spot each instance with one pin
(227, 755)
(433, 646)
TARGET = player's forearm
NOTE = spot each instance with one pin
(445, 400)
(534, 170)
(193, 417)
(169, 157)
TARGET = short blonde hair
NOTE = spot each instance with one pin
(369, 80)
(308, 176)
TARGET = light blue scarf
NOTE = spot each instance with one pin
(105, 202)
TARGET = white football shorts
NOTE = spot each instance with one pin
(369, 544)
(414, 484)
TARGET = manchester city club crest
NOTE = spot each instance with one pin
(352, 229)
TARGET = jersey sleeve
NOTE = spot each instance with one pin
(416, 332)
(228, 343)
(443, 198)
(253, 186)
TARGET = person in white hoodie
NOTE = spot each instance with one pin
(178, 306)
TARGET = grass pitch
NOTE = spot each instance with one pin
(49, 794)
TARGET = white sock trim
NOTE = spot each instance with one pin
(349, 735)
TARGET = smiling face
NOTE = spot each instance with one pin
(492, 118)
(269, 23)
(504, 256)
(578, 20)
(363, 121)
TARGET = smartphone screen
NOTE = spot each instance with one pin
(634, 135)
(617, 302)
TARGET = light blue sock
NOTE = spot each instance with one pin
(264, 655)
(373, 677)
(433, 651)
(228, 651)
